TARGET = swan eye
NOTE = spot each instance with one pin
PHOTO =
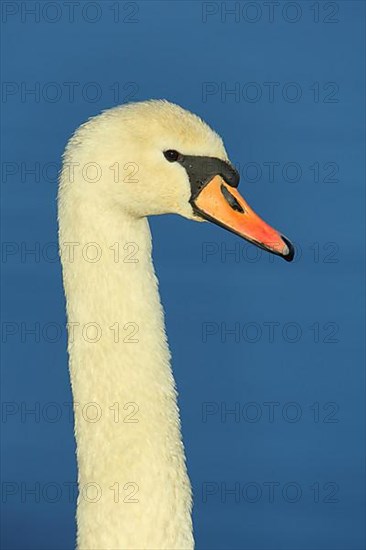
(171, 155)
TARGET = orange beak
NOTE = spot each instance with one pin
(222, 204)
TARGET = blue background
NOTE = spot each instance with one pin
(167, 50)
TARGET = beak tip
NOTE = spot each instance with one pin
(291, 249)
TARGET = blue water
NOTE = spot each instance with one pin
(272, 412)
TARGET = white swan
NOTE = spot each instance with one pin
(121, 166)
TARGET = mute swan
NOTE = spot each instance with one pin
(134, 492)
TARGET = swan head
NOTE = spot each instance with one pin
(154, 157)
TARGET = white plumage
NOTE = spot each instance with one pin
(148, 454)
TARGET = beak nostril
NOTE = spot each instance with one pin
(231, 200)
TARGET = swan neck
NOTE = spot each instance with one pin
(133, 486)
